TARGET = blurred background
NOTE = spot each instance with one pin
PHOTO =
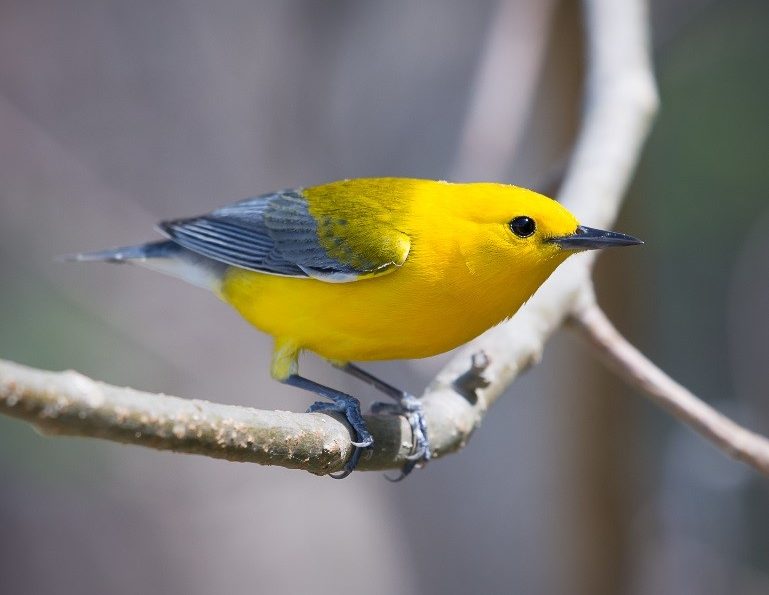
(114, 115)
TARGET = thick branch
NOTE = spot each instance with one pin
(70, 404)
(638, 371)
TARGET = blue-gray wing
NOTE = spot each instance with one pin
(273, 233)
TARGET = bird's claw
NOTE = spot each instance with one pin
(363, 443)
(350, 466)
(411, 408)
(350, 408)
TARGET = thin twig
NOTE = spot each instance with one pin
(638, 371)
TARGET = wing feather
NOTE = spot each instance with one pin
(277, 234)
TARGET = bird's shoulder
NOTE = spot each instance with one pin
(365, 220)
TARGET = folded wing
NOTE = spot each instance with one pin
(277, 234)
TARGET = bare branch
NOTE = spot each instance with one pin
(70, 404)
(620, 101)
(636, 369)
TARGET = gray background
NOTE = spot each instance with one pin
(114, 115)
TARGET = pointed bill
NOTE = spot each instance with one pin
(588, 238)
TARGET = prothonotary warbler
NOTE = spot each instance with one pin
(372, 269)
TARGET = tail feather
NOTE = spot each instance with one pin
(165, 257)
(124, 254)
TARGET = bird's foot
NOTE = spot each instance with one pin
(350, 408)
(411, 408)
(340, 403)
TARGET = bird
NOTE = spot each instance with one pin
(368, 269)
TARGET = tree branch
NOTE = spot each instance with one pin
(638, 371)
(620, 101)
(70, 404)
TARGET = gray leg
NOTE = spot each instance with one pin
(408, 406)
(340, 403)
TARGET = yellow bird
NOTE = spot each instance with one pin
(372, 269)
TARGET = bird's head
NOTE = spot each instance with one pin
(521, 236)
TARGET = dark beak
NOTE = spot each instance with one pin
(587, 238)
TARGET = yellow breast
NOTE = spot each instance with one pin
(419, 310)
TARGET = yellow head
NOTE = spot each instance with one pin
(510, 239)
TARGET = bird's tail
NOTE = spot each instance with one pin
(124, 254)
(165, 257)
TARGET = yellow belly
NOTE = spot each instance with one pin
(396, 316)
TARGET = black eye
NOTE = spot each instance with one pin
(523, 227)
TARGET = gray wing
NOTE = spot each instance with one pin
(273, 233)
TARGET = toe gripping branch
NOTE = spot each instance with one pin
(408, 406)
(342, 403)
(405, 404)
